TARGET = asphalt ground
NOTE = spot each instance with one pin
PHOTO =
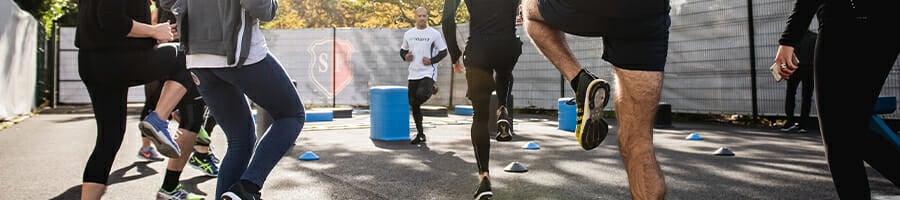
(43, 157)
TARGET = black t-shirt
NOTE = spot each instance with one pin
(488, 19)
(105, 24)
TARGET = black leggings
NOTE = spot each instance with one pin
(861, 60)
(191, 108)
(107, 76)
(419, 91)
(483, 58)
(805, 78)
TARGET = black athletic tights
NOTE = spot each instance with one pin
(107, 76)
(482, 59)
(857, 55)
(419, 91)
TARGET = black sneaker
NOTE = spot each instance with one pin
(592, 94)
(484, 190)
(504, 126)
(238, 191)
(420, 139)
(790, 129)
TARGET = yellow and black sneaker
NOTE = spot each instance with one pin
(591, 96)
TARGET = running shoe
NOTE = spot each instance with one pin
(237, 191)
(504, 125)
(150, 154)
(178, 194)
(420, 139)
(484, 190)
(158, 132)
(204, 164)
(591, 96)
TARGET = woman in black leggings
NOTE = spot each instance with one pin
(116, 51)
(855, 49)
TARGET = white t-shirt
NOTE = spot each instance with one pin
(258, 52)
(423, 43)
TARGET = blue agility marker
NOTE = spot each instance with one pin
(693, 136)
(531, 146)
(309, 155)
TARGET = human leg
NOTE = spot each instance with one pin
(419, 91)
(790, 99)
(109, 112)
(591, 93)
(507, 54)
(267, 85)
(481, 84)
(636, 103)
(151, 94)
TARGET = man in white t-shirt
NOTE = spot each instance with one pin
(423, 47)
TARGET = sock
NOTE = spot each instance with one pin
(250, 186)
(171, 180)
(574, 82)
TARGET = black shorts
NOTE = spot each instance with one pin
(635, 42)
(420, 90)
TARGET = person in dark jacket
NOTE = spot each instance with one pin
(803, 75)
(856, 48)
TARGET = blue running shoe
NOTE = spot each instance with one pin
(157, 131)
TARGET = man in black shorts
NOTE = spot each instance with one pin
(635, 40)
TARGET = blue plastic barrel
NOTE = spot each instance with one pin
(313, 115)
(463, 110)
(389, 113)
(566, 114)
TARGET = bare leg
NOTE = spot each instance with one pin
(145, 142)
(200, 148)
(171, 94)
(185, 141)
(551, 43)
(636, 104)
(92, 191)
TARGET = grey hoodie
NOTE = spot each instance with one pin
(221, 27)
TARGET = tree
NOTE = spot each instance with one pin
(356, 13)
(48, 11)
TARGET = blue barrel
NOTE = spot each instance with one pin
(389, 113)
(463, 110)
(313, 115)
(566, 114)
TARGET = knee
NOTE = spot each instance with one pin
(530, 11)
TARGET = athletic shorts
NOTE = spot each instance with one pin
(637, 42)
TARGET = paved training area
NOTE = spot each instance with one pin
(43, 157)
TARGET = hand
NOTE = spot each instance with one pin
(426, 61)
(458, 67)
(408, 58)
(174, 28)
(196, 80)
(174, 31)
(784, 58)
(162, 32)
